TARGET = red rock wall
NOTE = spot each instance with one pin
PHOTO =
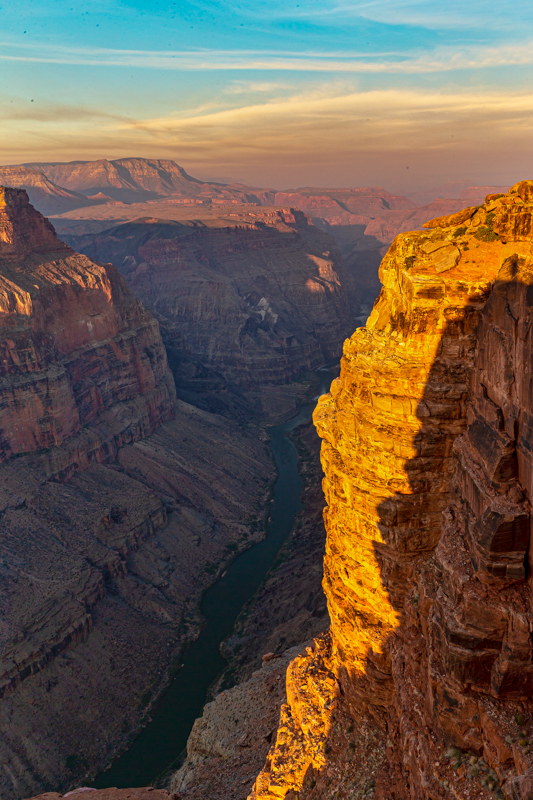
(258, 299)
(427, 459)
(74, 343)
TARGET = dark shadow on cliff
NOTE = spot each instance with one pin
(403, 699)
(241, 307)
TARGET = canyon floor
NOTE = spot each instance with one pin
(129, 481)
(120, 502)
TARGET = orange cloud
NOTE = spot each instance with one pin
(363, 136)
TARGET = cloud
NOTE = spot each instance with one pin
(440, 60)
(406, 13)
(54, 113)
(248, 87)
(369, 120)
(455, 14)
(360, 136)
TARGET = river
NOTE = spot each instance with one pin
(160, 743)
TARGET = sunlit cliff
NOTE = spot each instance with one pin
(428, 481)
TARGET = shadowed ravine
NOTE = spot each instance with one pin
(161, 742)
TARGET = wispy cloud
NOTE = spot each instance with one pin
(440, 60)
(256, 87)
(54, 113)
(360, 130)
(454, 14)
(374, 120)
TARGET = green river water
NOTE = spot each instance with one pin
(159, 745)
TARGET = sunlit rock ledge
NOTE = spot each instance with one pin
(429, 479)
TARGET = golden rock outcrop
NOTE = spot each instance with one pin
(428, 482)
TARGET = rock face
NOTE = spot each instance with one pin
(46, 195)
(76, 346)
(119, 506)
(137, 179)
(250, 298)
(428, 487)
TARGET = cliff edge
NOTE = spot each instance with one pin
(428, 483)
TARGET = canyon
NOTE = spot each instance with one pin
(91, 196)
(120, 504)
(242, 300)
(426, 452)
(129, 478)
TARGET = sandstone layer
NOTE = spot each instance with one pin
(428, 484)
(119, 506)
(248, 298)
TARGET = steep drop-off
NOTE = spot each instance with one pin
(248, 298)
(77, 349)
(428, 484)
(118, 507)
(363, 220)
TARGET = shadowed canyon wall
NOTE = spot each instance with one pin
(118, 506)
(88, 196)
(428, 484)
(246, 298)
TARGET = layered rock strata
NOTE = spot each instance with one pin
(247, 299)
(134, 179)
(118, 505)
(81, 359)
(428, 485)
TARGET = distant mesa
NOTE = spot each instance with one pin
(137, 179)
(88, 197)
(44, 193)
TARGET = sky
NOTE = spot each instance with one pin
(406, 94)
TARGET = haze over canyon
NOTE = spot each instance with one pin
(265, 400)
(164, 339)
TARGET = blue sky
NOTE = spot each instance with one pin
(395, 92)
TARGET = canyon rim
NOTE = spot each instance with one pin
(266, 415)
(427, 481)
